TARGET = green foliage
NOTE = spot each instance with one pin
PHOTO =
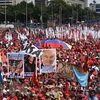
(50, 12)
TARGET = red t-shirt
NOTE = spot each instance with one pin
(12, 98)
(1, 97)
(98, 95)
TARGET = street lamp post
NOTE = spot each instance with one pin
(26, 13)
(81, 15)
(5, 14)
(15, 18)
(52, 9)
(52, 12)
(2, 14)
(94, 3)
(24, 16)
(91, 7)
(77, 14)
(72, 13)
(41, 16)
(60, 14)
(30, 17)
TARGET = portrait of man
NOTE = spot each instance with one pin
(12, 71)
(29, 65)
(16, 69)
(48, 59)
(16, 65)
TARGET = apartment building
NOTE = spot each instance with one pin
(7, 2)
(81, 2)
(37, 2)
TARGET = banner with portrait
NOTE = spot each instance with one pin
(48, 60)
(30, 63)
(16, 65)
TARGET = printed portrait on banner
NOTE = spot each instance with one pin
(29, 65)
(16, 65)
(48, 60)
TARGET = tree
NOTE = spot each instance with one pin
(57, 10)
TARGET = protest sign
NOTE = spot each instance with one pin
(29, 65)
(16, 65)
(48, 60)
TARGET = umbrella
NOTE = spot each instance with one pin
(57, 44)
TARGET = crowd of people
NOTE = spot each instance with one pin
(85, 42)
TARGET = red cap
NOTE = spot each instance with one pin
(33, 91)
(81, 95)
(32, 88)
(43, 98)
(50, 75)
(26, 80)
(94, 77)
(40, 95)
(36, 89)
(39, 74)
(90, 62)
(99, 84)
(91, 89)
(94, 73)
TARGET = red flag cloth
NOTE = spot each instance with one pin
(67, 91)
(85, 67)
(4, 58)
(35, 80)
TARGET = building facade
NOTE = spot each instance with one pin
(95, 7)
(38, 2)
(18, 1)
(81, 2)
(98, 8)
(88, 2)
(7, 2)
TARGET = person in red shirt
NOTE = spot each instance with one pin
(86, 96)
(98, 93)
(1, 96)
(12, 97)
